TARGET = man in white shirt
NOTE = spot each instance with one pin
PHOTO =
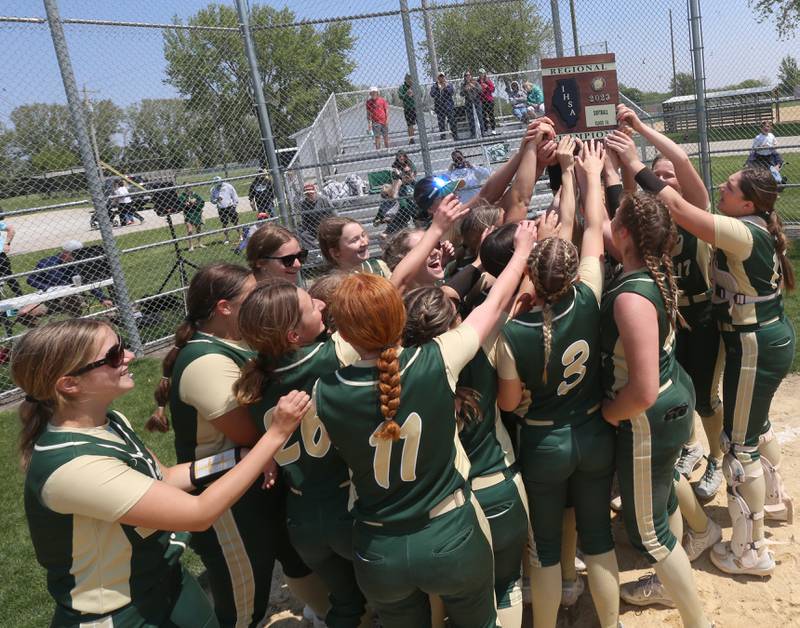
(764, 145)
(127, 212)
(224, 196)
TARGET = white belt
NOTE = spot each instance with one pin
(485, 481)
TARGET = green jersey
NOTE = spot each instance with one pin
(405, 96)
(747, 272)
(309, 462)
(402, 480)
(79, 483)
(614, 364)
(201, 391)
(691, 260)
(572, 388)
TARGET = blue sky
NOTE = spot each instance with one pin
(127, 64)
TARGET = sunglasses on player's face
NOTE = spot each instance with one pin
(288, 260)
(114, 358)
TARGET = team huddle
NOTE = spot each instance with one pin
(415, 437)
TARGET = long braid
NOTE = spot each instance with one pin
(389, 387)
(553, 268)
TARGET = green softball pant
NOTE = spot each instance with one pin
(647, 448)
(180, 603)
(321, 530)
(698, 350)
(755, 364)
(451, 556)
(506, 509)
(239, 552)
(568, 464)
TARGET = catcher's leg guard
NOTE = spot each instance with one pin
(744, 546)
(778, 505)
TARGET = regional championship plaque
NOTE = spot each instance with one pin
(581, 94)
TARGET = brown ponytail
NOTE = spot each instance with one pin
(210, 285)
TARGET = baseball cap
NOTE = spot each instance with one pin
(217, 179)
(70, 246)
(481, 71)
(429, 189)
(440, 74)
(373, 89)
(308, 187)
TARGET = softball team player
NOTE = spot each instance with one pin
(697, 343)
(751, 270)
(648, 395)
(566, 449)
(417, 528)
(345, 244)
(199, 373)
(493, 476)
(99, 504)
(282, 323)
(273, 251)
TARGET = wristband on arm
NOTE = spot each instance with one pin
(464, 280)
(204, 471)
(613, 198)
(649, 182)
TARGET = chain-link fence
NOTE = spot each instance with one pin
(115, 194)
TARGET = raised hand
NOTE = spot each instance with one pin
(623, 146)
(546, 153)
(290, 410)
(548, 226)
(449, 211)
(626, 115)
(525, 237)
(565, 153)
(590, 161)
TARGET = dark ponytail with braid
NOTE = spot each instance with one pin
(553, 268)
(759, 187)
(210, 285)
(655, 236)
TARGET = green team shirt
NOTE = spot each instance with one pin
(572, 389)
(201, 391)
(614, 364)
(375, 266)
(745, 263)
(401, 480)
(486, 441)
(79, 483)
(691, 261)
(405, 97)
(309, 462)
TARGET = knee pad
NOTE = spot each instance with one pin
(743, 546)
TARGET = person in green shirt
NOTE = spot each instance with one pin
(191, 203)
(406, 93)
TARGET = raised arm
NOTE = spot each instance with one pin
(692, 186)
(566, 204)
(518, 198)
(590, 165)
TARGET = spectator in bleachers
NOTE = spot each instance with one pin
(534, 100)
(444, 105)
(406, 94)
(388, 207)
(518, 100)
(312, 209)
(473, 176)
(487, 101)
(262, 194)
(399, 165)
(191, 203)
(7, 233)
(378, 117)
(472, 94)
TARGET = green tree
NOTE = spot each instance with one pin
(786, 14)
(159, 135)
(684, 82)
(788, 75)
(300, 67)
(54, 158)
(500, 38)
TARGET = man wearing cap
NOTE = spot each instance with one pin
(443, 105)
(487, 100)
(262, 194)
(378, 117)
(406, 94)
(313, 208)
(224, 196)
(54, 273)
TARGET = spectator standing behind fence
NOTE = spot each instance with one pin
(406, 94)
(127, 212)
(487, 101)
(534, 100)
(224, 196)
(378, 117)
(471, 92)
(7, 233)
(191, 204)
(764, 153)
(443, 105)
(313, 208)
(518, 100)
(262, 194)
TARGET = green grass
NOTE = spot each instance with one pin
(744, 132)
(23, 596)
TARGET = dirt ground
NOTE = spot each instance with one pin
(731, 602)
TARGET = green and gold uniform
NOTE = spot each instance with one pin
(101, 572)
(417, 530)
(566, 448)
(240, 548)
(697, 346)
(375, 266)
(320, 526)
(648, 445)
(494, 477)
(759, 339)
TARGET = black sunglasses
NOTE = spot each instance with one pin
(288, 260)
(114, 358)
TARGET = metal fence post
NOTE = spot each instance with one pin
(556, 17)
(426, 19)
(123, 300)
(418, 96)
(261, 108)
(698, 65)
